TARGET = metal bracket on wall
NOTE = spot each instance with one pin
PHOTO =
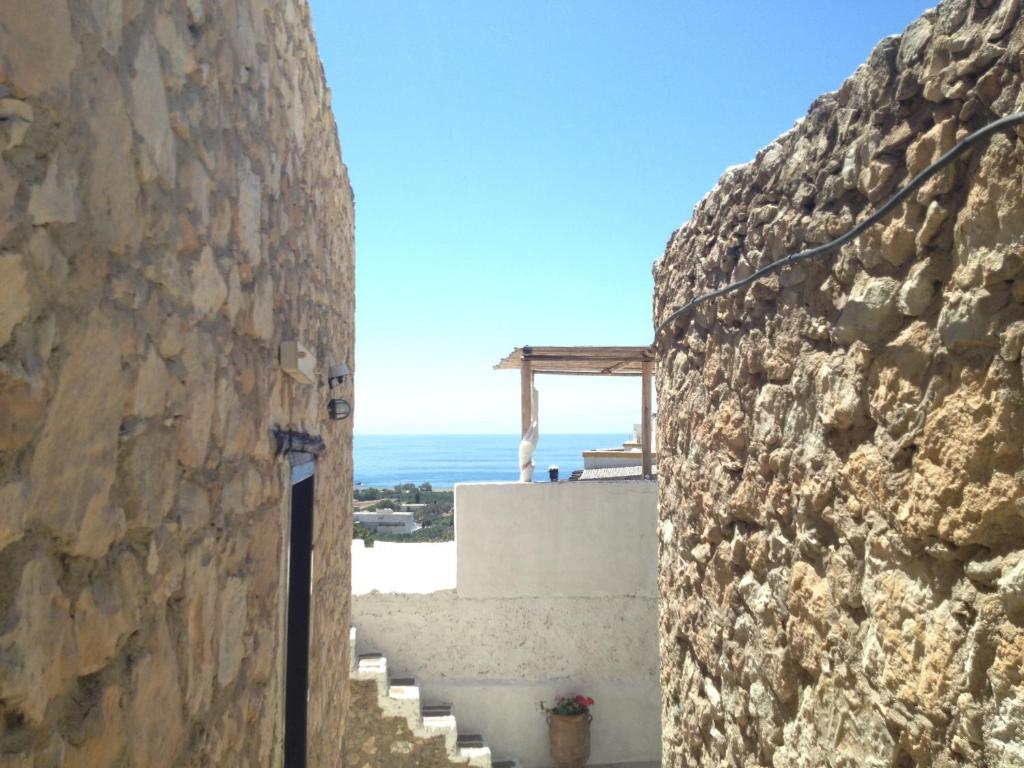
(289, 441)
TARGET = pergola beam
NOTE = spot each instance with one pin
(586, 361)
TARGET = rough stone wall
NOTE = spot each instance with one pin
(172, 206)
(842, 445)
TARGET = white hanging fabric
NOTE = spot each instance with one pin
(529, 443)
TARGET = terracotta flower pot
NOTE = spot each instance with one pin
(570, 740)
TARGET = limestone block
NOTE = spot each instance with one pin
(56, 200)
(31, 26)
(232, 432)
(878, 179)
(1012, 341)
(106, 611)
(147, 480)
(196, 183)
(151, 386)
(14, 503)
(839, 387)
(179, 53)
(172, 337)
(931, 145)
(236, 295)
(150, 115)
(200, 596)
(899, 241)
(38, 647)
(968, 317)
(164, 564)
(248, 213)
(914, 40)
(112, 187)
(871, 311)
(987, 267)
(155, 711)
(1011, 588)
(918, 289)
(22, 407)
(1003, 19)
(935, 217)
(199, 360)
(18, 116)
(103, 735)
(8, 213)
(209, 291)
(108, 18)
(899, 380)
(231, 646)
(192, 506)
(50, 265)
(74, 461)
(15, 294)
(262, 323)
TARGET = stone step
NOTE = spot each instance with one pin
(372, 666)
(478, 757)
(440, 725)
(402, 701)
(400, 697)
(437, 710)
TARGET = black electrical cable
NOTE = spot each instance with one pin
(820, 250)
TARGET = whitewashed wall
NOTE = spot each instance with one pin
(556, 594)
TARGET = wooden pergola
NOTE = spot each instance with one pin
(586, 361)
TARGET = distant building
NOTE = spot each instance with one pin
(386, 521)
(629, 455)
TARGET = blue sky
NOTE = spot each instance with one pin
(518, 167)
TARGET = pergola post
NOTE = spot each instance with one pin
(526, 395)
(645, 416)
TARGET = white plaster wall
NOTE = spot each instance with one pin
(556, 595)
(547, 539)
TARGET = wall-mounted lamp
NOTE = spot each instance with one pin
(336, 374)
(338, 409)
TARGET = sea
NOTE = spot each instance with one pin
(384, 461)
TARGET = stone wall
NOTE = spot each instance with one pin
(842, 445)
(172, 206)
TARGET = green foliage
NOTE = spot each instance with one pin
(436, 516)
(427, 533)
(364, 533)
(577, 704)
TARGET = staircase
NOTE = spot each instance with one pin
(389, 727)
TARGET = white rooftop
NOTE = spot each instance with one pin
(398, 567)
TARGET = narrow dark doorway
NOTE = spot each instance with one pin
(300, 562)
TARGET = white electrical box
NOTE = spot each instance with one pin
(298, 362)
